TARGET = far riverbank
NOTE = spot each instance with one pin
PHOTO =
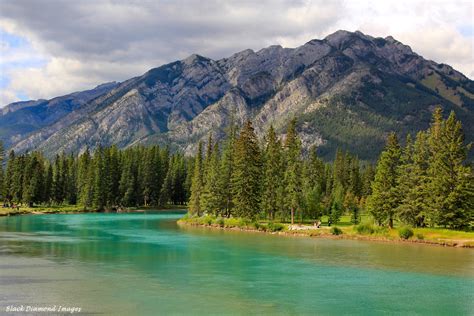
(77, 209)
(428, 236)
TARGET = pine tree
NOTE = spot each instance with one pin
(385, 199)
(368, 174)
(337, 204)
(212, 196)
(272, 175)
(413, 181)
(293, 169)
(85, 178)
(48, 184)
(351, 204)
(246, 178)
(167, 188)
(227, 168)
(9, 174)
(314, 185)
(450, 187)
(100, 180)
(19, 164)
(196, 184)
(33, 180)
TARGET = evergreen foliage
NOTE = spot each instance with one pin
(108, 179)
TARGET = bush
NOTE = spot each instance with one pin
(220, 221)
(236, 222)
(420, 236)
(370, 229)
(256, 225)
(275, 227)
(405, 232)
(206, 220)
(336, 231)
(365, 229)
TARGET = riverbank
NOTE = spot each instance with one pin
(428, 236)
(77, 209)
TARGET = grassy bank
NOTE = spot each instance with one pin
(344, 230)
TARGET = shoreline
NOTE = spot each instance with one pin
(325, 233)
(58, 210)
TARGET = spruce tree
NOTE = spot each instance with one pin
(227, 168)
(100, 180)
(293, 170)
(272, 175)
(9, 174)
(212, 196)
(412, 183)
(385, 199)
(196, 184)
(450, 187)
(246, 178)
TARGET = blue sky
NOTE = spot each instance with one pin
(54, 47)
(16, 54)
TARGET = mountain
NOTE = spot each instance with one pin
(348, 90)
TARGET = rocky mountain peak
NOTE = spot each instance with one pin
(347, 90)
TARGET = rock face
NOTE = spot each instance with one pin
(347, 90)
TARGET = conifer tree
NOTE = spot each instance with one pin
(212, 197)
(272, 198)
(385, 199)
(100, 180)
(196, 184)
(227, 168)
(48, 184)
(351, 204)
(246, 178)
(9, 174)
(293, 169)
(450, 187)
(412, 183)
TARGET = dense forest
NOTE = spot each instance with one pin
(425, 182)
(108, 179)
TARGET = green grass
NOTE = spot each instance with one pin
(345, 229)
(41, 209)
(71, 208)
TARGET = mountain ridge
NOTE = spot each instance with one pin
(346, 85)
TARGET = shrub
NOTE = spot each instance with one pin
(206, 220)
(405, 232)
(365, 229)
(256, 225)
(275, 227)
(370, 229)
(420, 236)
(336, 231)
(220, 221)
(236, 222)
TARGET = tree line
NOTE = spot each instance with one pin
(427, 182)
(109, 178)
(273, 179)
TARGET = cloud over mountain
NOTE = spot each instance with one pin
(83, 43)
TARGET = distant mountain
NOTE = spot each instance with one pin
(348, 90)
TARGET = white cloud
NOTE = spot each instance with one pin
(85, 43)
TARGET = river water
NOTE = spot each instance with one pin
(144, 264)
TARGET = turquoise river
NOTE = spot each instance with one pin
(145, 264)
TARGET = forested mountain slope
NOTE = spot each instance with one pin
(348, 90)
